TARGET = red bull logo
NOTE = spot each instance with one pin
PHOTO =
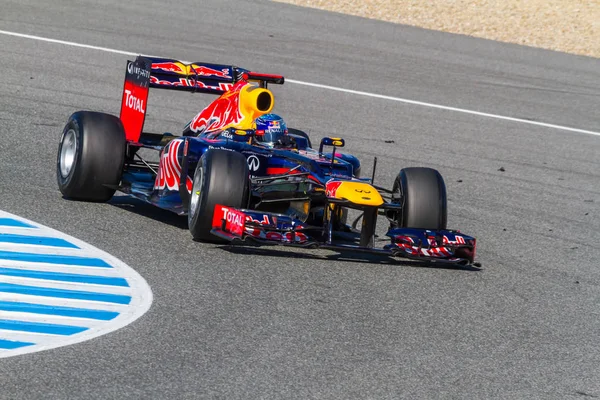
(184, 69)
(224, 111)
(171, 67)
(169, 169)
(184, 82)
(331, 188)
(202, 70)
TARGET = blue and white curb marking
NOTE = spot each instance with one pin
(56, 290)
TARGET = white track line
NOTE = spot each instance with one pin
(85, 46)
(334, 88)
(440, 107)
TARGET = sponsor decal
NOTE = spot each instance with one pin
(226, 135)
(135, 96)
(273, 126)
(133, 102)
(169, 168)
(220, 148)
(234, 219)
(253, 163)
(137, 70)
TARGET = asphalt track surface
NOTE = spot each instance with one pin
(232, 323)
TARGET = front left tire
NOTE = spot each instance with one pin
(221, 177)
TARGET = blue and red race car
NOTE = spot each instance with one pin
(240, 175)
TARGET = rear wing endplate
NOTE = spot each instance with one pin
(135, 97)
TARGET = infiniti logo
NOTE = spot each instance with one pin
(253, 163)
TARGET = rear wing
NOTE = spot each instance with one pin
(202, 77)
(165, 73)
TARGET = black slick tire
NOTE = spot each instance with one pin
(90, 156)
(221, 177)
(422, 193)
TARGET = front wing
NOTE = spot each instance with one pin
(434, 246)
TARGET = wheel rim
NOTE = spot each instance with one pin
(67, 153)
(196, 190)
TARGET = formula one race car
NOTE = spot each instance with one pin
(240, 175)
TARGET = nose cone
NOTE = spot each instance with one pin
(356, 192)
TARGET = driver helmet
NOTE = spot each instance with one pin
(270, 128)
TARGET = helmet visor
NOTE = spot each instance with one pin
(270, 131)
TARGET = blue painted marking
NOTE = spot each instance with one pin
(14, 223)
(64, 294)
(11, 345)
(40, 327)
(36, 240)
(54, 259)
(59, 276)
(57, 310)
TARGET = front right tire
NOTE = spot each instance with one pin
(422, 193)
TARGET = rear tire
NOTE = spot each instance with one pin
(221, 177)
(422, 193)
(90, 156)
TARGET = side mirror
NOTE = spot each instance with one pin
(329, 141)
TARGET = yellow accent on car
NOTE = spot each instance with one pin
(252, 102)
(359, 193)
(255, 102)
